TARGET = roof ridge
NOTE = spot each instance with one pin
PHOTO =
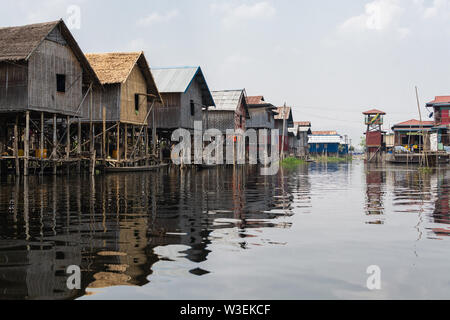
(33, 24)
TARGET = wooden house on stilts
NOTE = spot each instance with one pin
(185, 93)
(118, 115)
(43, 74)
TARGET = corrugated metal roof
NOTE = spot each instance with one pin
(228, 100)
(324, 139)
(174, 80)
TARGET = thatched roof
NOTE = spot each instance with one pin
(19, 43)
(115, 67)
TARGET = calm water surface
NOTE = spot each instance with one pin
(307, 233)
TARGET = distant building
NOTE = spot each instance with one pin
(441, 107)
(298, 138)
(409, 134)
(185, 93)
(262, 117)
(262, 113)
(284, 119)
(230, 111)
(328, 143)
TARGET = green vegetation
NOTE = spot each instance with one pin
(333, 159)
(425, 170)
(292, 162)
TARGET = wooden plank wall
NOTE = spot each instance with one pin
(135, 84)
(259, 118)
(13, 87)
(49, 59)
(221, 120)
(193, 93)
(109, 97)
(167, 116)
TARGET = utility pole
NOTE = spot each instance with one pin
(284, 130)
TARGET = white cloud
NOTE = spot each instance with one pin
(244, 12)
(438, 6)
(157, 17)
(379, 15)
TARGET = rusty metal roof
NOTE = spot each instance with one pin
(324, 133)
(439, 100)
(374, 111)
(255, 100)
(414, 123)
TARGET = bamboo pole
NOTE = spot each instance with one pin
(424, 160)
(26, 143)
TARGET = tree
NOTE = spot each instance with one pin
(363, 143)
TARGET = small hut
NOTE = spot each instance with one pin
(121, 109)
(185, 93)
(284, 121)
(298, 138)
(262, 113)
(230, 111)
(42, 75)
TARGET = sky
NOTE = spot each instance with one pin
(330, 60)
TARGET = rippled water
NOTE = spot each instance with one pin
(307, 233)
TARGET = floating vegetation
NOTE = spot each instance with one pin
(292, 162)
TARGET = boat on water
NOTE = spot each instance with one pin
(135, 169)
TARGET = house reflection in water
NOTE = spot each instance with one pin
(113, 226)
(441, 214)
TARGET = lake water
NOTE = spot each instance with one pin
(307, 233)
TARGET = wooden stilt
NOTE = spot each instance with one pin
(55, 142)
(16, 145)
(68, 139)
(126, 142)
(41, 143)
(26, 143)
(104, 135)
(146, 146)
(133, 142)
(79, 147)
(118, 141)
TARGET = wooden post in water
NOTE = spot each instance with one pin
(16, 145)
(26, 143)
(55, 142)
